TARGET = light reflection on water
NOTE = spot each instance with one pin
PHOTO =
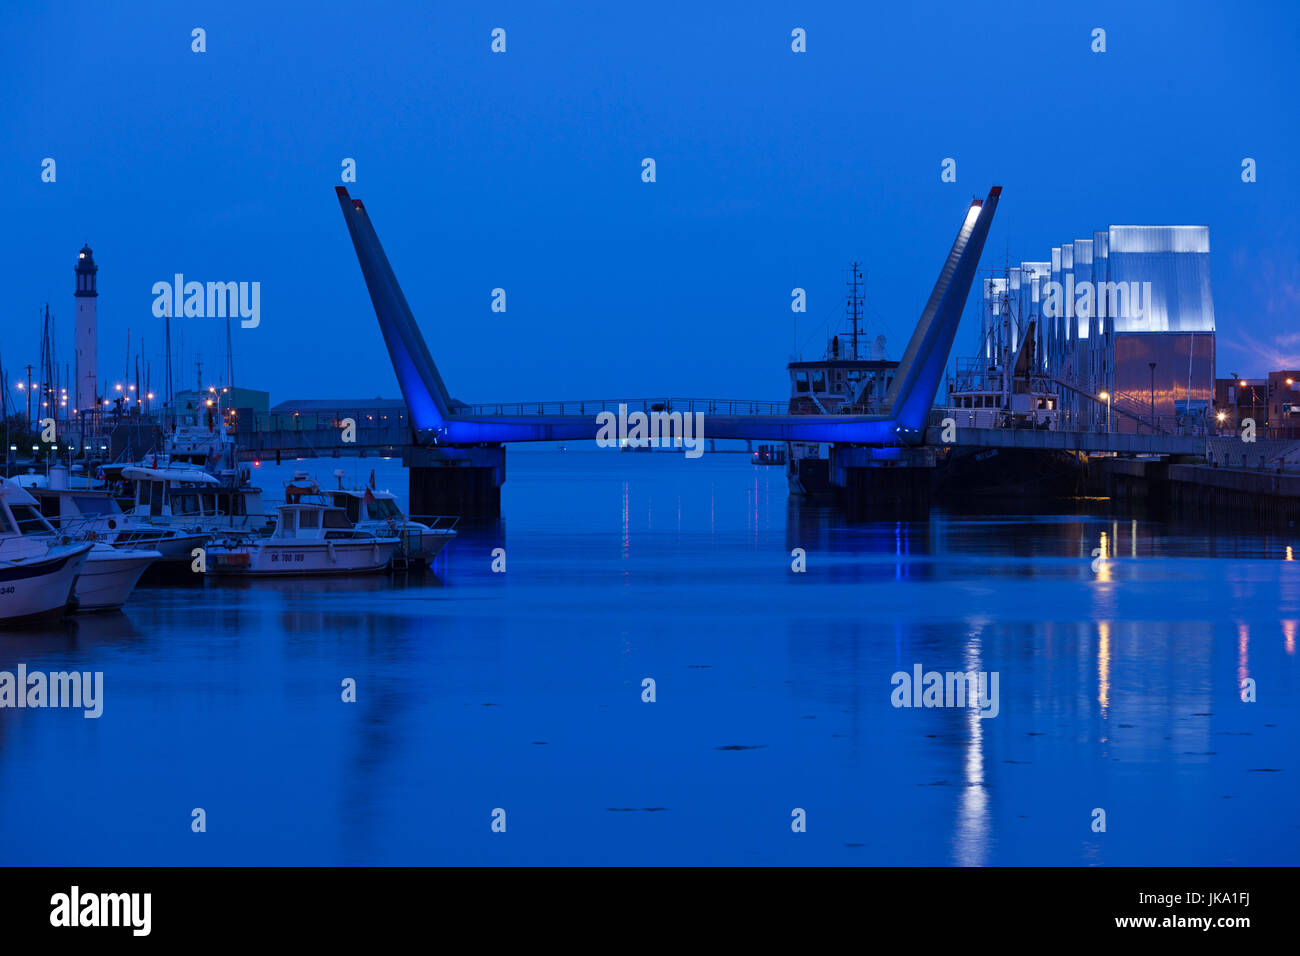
(1120, 689)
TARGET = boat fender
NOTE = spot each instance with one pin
(330, 547)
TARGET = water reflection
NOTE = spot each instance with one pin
(474, 689)
(973, 822)
(1103, 667)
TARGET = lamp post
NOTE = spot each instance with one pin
(1254, 398)
(1153, 396)
(217, 402)
(1290, 384)
(1106, 395)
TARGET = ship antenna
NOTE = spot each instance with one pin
(855, 304)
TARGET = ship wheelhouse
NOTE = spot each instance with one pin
(835, 386)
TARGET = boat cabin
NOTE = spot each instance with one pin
(382, 505)
(21, 523)
(73, 507)
(312, 521)
(840, 386)
(193, 495)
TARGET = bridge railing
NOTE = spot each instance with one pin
(1067, 420)
(317, 419)
(709, 406)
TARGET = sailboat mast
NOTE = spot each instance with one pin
(167, 373)
(230, 361)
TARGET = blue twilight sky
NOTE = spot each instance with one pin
(523, 171)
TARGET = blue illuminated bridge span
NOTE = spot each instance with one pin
(439, 422)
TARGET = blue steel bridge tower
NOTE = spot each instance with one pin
(457, 457)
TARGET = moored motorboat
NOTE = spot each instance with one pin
(95, 515)
(308, 539)
(377, 511)
(184, 496)
(109, 574)
(37, 574)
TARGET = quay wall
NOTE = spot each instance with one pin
(1201, 490)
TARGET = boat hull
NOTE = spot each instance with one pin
(109, 576)
(271, 559)
(424, 545)
(33, 588)
(1008, 472)
(431, 544)
(810, 477)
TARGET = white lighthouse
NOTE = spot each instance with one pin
(86, 334)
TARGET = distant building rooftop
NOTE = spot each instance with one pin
(330, 404)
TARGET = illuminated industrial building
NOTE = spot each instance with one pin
(1127, 314)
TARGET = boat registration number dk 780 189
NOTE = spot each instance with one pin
(287, 558)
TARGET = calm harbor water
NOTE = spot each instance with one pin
(1119, 689)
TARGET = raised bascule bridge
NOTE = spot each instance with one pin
(455, 453)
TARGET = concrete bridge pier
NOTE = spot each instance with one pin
(456, 480)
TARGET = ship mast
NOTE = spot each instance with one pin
(854, 304)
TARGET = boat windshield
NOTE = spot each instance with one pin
(383, 509)
(335, 519)
(95, 505)
(30, 520)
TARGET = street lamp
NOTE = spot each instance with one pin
(1106, 395)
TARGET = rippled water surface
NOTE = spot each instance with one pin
(1119, 689)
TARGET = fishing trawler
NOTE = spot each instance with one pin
(843, 382)
(210, 447)
(1003, 386)
(1003, 390)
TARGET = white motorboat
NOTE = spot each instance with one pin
(309, 538)
(370, 509)
(184, 496)
(37, 574)
(109, 574)
(96, 516)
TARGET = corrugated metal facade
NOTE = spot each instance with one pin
(1107, 307)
